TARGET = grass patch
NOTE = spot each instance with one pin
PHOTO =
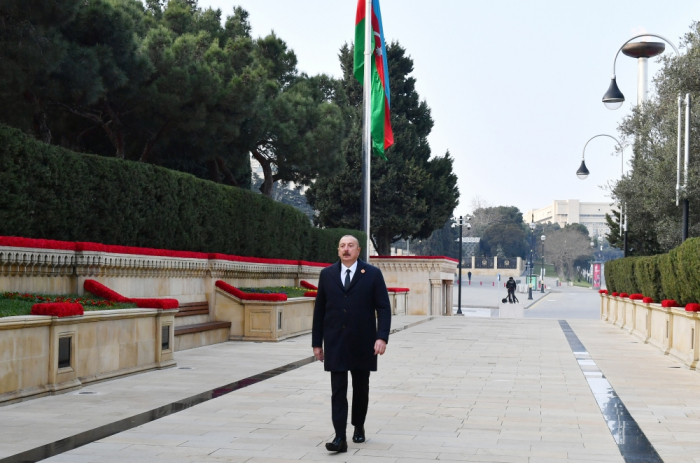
(548, 270)
(582, 284)
(290, 291)
(11, 306)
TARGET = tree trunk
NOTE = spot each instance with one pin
(152, 141)
(40, 126)
(214, 174)
(266, 187)
(228, 175)
(114, 131)
(383, 242)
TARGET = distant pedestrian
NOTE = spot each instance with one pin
(469, 275)
(510, 286)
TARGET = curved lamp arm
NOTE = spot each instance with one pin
(638, 36)
(622, 160)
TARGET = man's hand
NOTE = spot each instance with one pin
(318, 353)
(379, 347)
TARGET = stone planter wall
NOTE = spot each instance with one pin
(673, 331)
(430, 280)
(399, 302)
(101, 345)
(264, 320)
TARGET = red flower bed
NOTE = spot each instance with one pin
(313, 264)
(98, 289)
(692, 307)
(398, 290)
(647, 300)
(250, 296)
(311, 294)
(415, 257)
(614, 294)
(669, 303)
(17, 242)
(58, 309)
(307, 285)
(602, 291)
(636, 297)
(81, 246)
(624, 295)
(164, 304)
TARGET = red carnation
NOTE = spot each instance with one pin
(624, 295)
(615, 294)
(307, 285)
(311, 294)
(667, 303)
(692, 307)
(647, 300)
(602, 291)
(636, 297)
(57, 309)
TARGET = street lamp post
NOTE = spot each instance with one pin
(614, 98)
(582, 173)
(461, 222)
(532, 245)
(543, 270)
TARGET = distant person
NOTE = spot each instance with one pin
(510, 286)
(469, 275)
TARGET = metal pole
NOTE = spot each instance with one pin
(544, 272)
(529, 279)
(366, 135)
(459, 290)
(686, 203)
(678, 149)
(642, 80)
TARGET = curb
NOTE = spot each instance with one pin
(538, 300)
(411, 325)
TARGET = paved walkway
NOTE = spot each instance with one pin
(454, 389)
(30, 424)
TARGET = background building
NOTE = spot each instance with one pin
(569, 211)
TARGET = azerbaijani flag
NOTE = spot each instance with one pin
(382, 135)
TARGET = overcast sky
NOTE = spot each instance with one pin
(515, 87)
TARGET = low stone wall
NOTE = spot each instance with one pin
(264, 320)
(41, 355)
(399, 302)
(50, 271)
(430, 280)
(674, 331)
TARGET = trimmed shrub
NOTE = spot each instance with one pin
(669, 280)
(687, 265)
(51, 193)
(648, 278)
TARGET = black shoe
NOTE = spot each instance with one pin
(339, 444)
(358, 436)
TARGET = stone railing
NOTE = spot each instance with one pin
(674, 331)
(188, 279)
(430, 280)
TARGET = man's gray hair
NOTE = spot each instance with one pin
(350, 236)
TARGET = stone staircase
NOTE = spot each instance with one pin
(194, 327)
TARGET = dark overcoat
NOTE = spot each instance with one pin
(345, 324)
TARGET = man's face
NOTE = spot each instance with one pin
(348, 250)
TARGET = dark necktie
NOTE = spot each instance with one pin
(347, 278)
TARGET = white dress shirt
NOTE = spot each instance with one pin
(343, 272)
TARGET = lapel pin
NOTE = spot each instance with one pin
(362, 271)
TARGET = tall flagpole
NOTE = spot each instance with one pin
(366, 133)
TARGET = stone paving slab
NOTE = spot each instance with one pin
(452, 389)
(37, 422)
(662, 398)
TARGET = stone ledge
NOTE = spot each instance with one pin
(200, 327)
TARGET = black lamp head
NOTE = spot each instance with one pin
(582, 171)
(613, 98)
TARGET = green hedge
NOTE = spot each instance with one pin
(675, 275)
(52, 193)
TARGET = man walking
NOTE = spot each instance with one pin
(347, 336)
(510, 286)
(469, 275)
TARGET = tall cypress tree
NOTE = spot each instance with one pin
(411, 194)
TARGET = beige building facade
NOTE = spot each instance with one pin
(570, 211)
